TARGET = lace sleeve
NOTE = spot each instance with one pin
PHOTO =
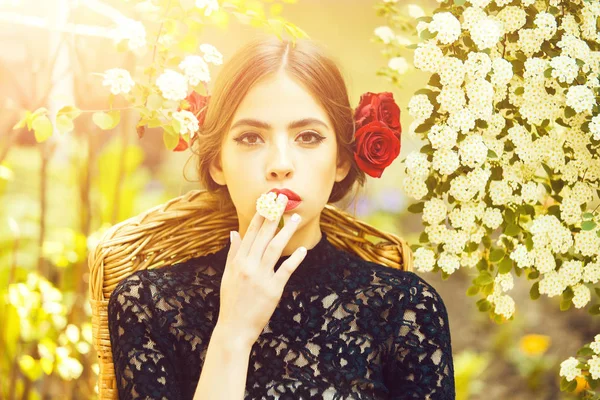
(422, 365)
(142, 368)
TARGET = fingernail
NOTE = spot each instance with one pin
(302, 249)
(231, 236)
(295, 217)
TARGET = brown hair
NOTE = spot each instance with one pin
(304, 61)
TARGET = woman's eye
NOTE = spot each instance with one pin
(317, 138)
(240, 139)
(252, 138)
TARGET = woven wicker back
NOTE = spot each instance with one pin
(190, 226)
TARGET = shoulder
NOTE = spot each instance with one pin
(405, 287)
(145, 286)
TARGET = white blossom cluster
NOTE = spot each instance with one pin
(174, 85)
(187, 121)
(569, 367)
(195, 69)
(119, 80)
(512, 138)
(569, 370)
(132, 31)
(271, 206)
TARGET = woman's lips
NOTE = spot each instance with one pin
(291, 204)
(293, 199)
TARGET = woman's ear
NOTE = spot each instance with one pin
(216, 171)
(343, 167)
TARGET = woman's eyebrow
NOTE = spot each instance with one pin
(292, 125)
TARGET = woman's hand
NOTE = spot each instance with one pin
(250, 289)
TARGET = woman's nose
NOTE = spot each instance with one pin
(280, 159)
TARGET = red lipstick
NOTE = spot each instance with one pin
(293, 199)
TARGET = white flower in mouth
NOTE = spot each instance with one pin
(270, 206)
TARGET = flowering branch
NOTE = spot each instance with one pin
(511, 123)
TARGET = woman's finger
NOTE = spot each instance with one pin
(278, 243)
(265, 234)
(250, 235)
(288, 267)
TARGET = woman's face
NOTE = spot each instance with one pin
(280, 137)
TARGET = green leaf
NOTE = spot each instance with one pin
(588, 215)
(595, 309)
(426, 34)
(529, 242)
(505, 265)
(533, 274)
(554, 210)
(64, 124)
(534, 292)
(520, 90)
(459, 2)
(472, 290)
(42, 127)
(487, 242)
(423, 128)
(588, 225)
(565, 305)
(484, 278)
(154, 102)
(484, 306)
(492, 154)
(424, 91)
(423, 237)
(71, 112)
(471, 247)
(170, 138)
(496, 255)
(568, 294)
(592, 382)
(416, 208)
(482, 264)
(427, 149)
(564, 383)
(176, 125)
(512, 230)
(569, 112)
(585, 352)
(435, 81)
(116, 117)
(106, 121)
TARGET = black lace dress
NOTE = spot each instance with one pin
(344, 328)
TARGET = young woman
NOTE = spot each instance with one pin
(280, 313)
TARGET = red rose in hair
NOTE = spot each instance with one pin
(378, 107)
(376, 147)
(197, 106)
(182, 145)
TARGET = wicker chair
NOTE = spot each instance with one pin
(188, 226)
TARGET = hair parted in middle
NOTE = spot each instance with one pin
(307, 63)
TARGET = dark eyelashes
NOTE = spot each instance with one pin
(317, 138)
